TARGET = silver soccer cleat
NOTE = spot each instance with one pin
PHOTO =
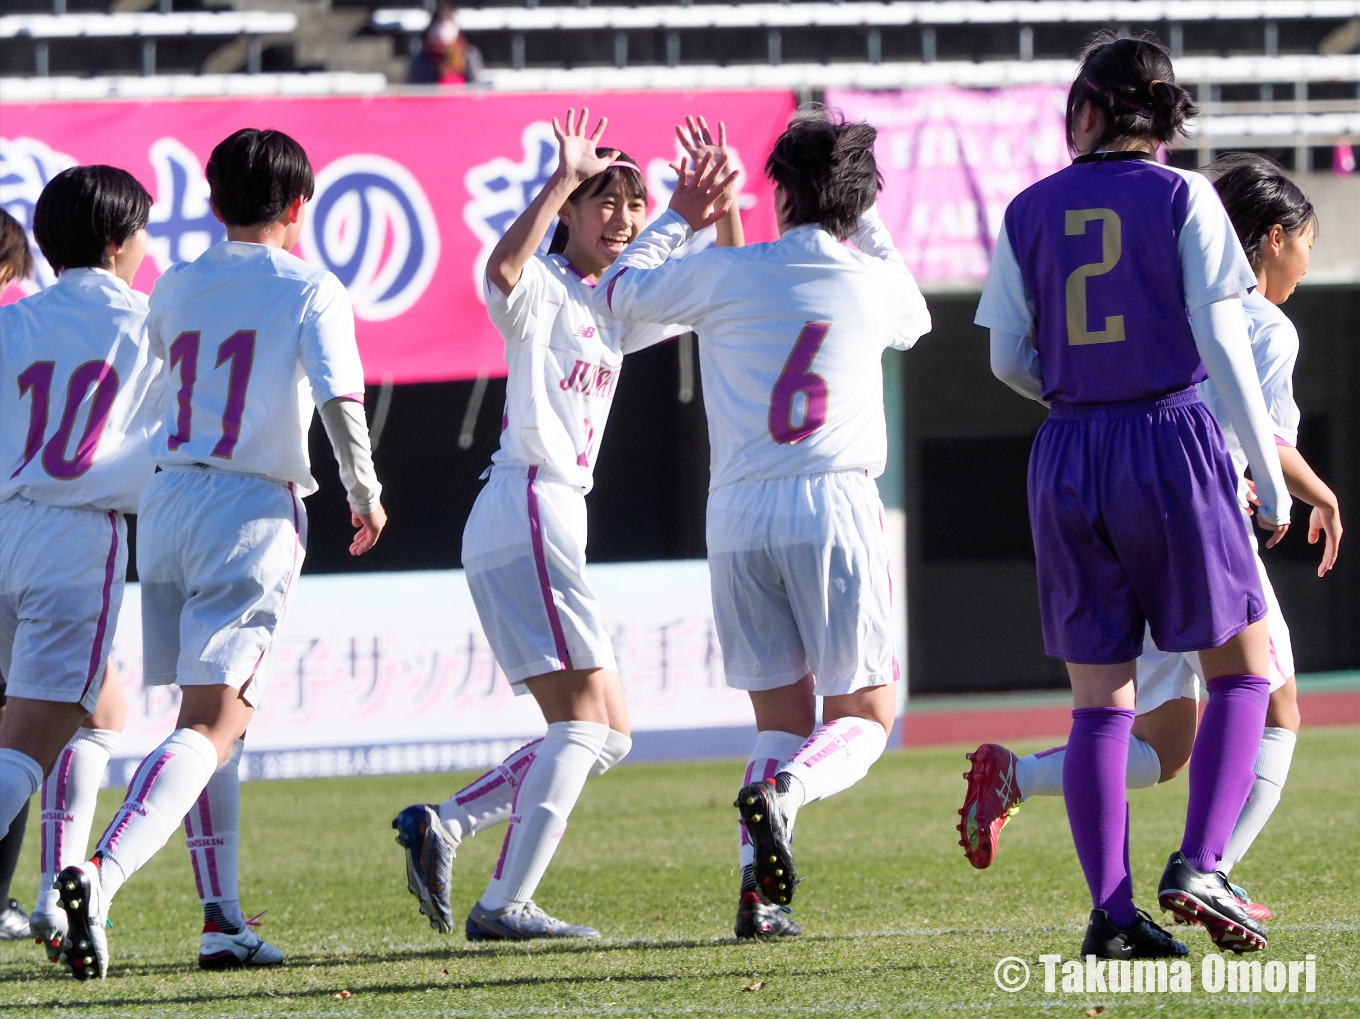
(523, 921)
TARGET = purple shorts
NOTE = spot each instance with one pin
(1134, 513)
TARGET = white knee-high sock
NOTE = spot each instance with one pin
(211, 834)
(20, 777)
(165, 786)
(772, 751)
(616, 748)
(1041, 774)
(538, 820)
(69, 797)
(485, 801)
(1272, 768)
(833, 759)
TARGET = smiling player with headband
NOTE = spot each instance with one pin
(525, 541)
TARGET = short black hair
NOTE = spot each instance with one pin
(255, 175)
(83, 210)
(827, 170)
(1132, 83)
(16, 261)
(1258, 193)
(630, 182)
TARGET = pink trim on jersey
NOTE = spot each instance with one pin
(609, 292)
(101, 628)
(579, 274)
(541, 562)
(1279, 441)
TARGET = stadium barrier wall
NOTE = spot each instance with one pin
(412, 191)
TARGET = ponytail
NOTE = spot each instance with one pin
(1132, 83)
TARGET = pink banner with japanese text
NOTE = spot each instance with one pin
(412, 191)
(952, 159)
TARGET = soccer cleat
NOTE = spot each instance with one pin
(1255, 910)
(1141, 940)
(992, 799)
(47, 925)
(13, 922)
(84, 950)
(429, 862)
(1194, 895)
(775, 874)
(522, 921)
(220, 950)
(757, 918)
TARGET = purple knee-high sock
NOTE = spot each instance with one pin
(1223, 765)
(1093, 786)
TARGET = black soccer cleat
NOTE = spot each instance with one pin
(1198, 897)
(84, 950)
(757, 918)
(763, 817)
(1143, 939)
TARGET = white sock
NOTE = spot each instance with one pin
(1272, 768)
(538, 820)
(69, 797)
(165, 786)
(772, 751)
(486, 800)
(1041, 774)
(833, 759)
(211, 834)
(616, 747)
(20, 777)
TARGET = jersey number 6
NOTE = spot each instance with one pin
(239, 349)
(1111, 241)
(794, 379)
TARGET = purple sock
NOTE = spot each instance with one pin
(1223, 765)
(1093, 786)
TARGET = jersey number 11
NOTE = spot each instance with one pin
(239, 349)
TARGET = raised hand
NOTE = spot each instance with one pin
(697, 141)
(576, 157)
(699, 193)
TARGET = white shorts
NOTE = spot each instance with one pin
(524, 553)
(1163, 676)
(800, 578)
(61, 587)
(217, 555)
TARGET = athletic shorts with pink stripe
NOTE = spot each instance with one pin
(218, 555)
(61, 587)
(524, 552)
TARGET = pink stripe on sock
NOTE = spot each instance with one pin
(497, 776)
(210, 855)
(505, 846)
(1050, 750)
(204, 814)
(536, 535)
(124, 816)
(58, 827)
(97, 651)
(833, 746)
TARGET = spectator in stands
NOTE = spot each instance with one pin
(447, 58)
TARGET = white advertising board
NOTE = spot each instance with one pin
(390, 672)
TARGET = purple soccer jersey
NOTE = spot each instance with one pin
(1098, 246)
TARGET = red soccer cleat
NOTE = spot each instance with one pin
(993, 798)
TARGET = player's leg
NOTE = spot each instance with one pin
(69, 797)
(14, 922)
(576, 706)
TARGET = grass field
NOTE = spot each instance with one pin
(897, 923)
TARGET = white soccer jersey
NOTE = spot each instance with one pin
(564, 363)
(791, 334)
(76, 368)
(1275, 349)
(253, 339)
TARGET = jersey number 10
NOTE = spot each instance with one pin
(1111, 241)
(239, 349)
(37, 379)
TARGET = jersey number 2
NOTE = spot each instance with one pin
(1111, 241)
(795, 379)
(37, 379)
(239, 349)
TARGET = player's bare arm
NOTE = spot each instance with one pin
(577, 162)
(696, 139)
(1325, 519)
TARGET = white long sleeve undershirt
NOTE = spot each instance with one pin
(1015, 361)
(347, 429)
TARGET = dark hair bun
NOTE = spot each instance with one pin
(1132, 83)
(827, 169)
